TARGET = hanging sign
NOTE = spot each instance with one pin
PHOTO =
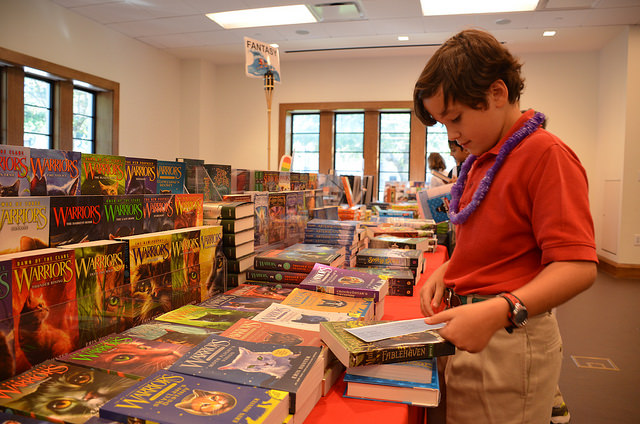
(261, 57)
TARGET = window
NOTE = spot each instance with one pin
(438, 141)
(38, 105)
(84, 119)
(305, 142)
(349, 144)
(395, 134)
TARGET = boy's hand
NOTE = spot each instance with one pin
(431, 300)
(470, 327)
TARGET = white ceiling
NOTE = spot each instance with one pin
(180, 28)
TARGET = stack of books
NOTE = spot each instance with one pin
(337, 233)
(238, 223)
(396, 259)
(401, 281)
(425, 244)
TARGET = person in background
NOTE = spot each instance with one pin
(459, 154)
(437, 167)
(519, 252)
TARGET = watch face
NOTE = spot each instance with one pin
(520, 315)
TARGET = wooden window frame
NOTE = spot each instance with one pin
(12, 116)
(371, 111)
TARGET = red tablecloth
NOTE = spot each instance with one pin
(334, 408)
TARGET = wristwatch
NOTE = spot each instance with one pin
(518, 313)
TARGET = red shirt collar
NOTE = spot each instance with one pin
(518, 124)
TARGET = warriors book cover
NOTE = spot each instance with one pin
(14, 171)
(24, 223)
(55, 172)
(102, 174)
(76, 219)
(141, 176)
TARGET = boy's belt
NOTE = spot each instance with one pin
(452, 299)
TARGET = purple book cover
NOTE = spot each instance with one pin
(55, 172)
(385, 257)
(76, 219)
(141, 176)
(345, 282)
(158, 213)
(168, 397)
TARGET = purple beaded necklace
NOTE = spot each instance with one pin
(460, 217)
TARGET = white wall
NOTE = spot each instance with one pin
(149, 79)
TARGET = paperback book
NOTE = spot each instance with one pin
(271, 180)
(123, 215)
(300, 257)
(219, 181)
(275, 276)
(395, 277)
(393, 242)
(142, 176)
(84, 390)
(293, 369)
(265, 332)
(201, 316)
(418, 371)
(277, 205)
(358, 308)
(24, 223)
(158, 213)
(76, 219)
(195, 174)
(167, 332)
(261, 218)
(14, 171)
(185, 272)
(8, 367)
(188, 209)
(238, 303)
(54, 172)
(8, 418)
(346, 282)
(167, 397)
(434, 203)
(354, 352)
(385, 257)
(251, 290)
(102, 174)
(290, 316)
(171, 177)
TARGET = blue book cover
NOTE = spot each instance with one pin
(55, 172)
(345, 282)
(167, 398)
(171, 177)
(333, 224)
(294, 369)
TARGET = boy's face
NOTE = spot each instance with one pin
(458, 153)
(477, 131)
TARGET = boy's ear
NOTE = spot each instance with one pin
(499, 93)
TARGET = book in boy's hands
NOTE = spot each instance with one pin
(125, 355)
(359, 308)
(353, 352)
(300, 257)
(290, 316)
(170, 398)
(51, 383)
(294, 369)
(227, 210)
(201, 316)
(424, 393)
(434, 203)
(238, 303)
(346, 282)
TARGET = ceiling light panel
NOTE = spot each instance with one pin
(266, 16)
(466, 7)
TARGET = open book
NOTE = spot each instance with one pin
(434, 203)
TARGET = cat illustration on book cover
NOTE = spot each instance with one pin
(151, 290)
(40, 187)
(101, 185)
(276, 365)
(207, 403)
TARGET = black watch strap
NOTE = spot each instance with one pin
(518, 314)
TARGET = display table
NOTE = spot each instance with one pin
(334, 408)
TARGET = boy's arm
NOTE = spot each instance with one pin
(470, 327)
(432, 290)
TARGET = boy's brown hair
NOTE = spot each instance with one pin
(465, 66)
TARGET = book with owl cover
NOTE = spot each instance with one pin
(14, 171)
(358, 308)
(290, 316)
(76, 392)
(168, 332)
(102, 174)
(171, 177)
(55, 172)
(76, 219)
(45, 310)
(346, 282)
(141, 176)
(201, 316)
(101, 292)
(167, 397)
(293, 369)
(24, 223)
(188, 209)
(158, 213)
(127, 356)
(239, 303)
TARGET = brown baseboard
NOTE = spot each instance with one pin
(618, 270)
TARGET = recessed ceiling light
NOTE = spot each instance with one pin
(503, 21)
(465, 7)
(266, 16)
(548, 33)
(403, 38)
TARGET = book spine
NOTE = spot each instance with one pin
(344, 291)
(281, 264)
(401, 354)
(367, 260)
(275, 276)
(400, 291)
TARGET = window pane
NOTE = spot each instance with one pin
(395, 162)
(350, 122)
(37, 92)
(305, 123)
(36, 140)
(306, 142)
(84, 121)
(37, 113)
(394, 142)
(395, 122)
(350, 142)
(82, 127)
(83, 146)
(349, 164)
(306, 162)
(36, 120)
(395, 145)
(82, 103)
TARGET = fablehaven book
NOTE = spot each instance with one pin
(158, 213)
(290, 316)
(200, 316)
(171, 177)
(275, 276)
(265, 332)
(384, 257)
(277, 204)
(219, 183)
(125, 355)
(253, 290)
(354, 352)
(76, 392)
(14, 171)
(238, 303)
(123, 215)
(101, 293)
(425, 393)
(261, 218)
(345, 282)
(170, 398)
(358, 308)
(168, 332)
(188, 208)
(102, 174)
(141, 176)
(76, 219)
(6, 322)
(293, 369)
(54, 172)
(300, 257)
(24, 223)
(45, 310)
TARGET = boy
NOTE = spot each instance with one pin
(459, 154)
(525, 240)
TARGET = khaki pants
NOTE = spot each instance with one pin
(512, 381)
